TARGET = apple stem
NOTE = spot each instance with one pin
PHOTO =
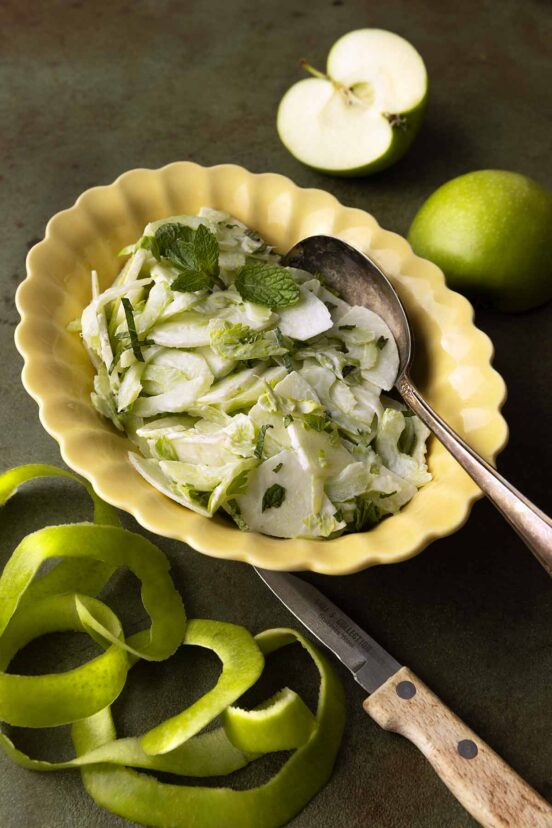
(314, 72)
(347, 92)
(318, 74)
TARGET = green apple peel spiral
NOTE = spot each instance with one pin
(64, 599)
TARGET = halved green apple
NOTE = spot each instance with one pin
(364, 113)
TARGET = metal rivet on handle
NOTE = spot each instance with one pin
(467, 749)
(405, 689)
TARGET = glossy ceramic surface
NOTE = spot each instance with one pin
(453, 359)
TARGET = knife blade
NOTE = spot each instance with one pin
(400, 702)
(367, 660)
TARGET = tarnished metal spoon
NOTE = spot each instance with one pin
(360, 281)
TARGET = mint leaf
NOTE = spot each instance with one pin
(381, 342)
(277, 468)
(206, 250)
(131, 325)
(346, 327)
(267, 284)
(189, 281)
(194, 254)
(168, 235)
(273, 497)
(183, 257)
(260, 440)
(174, 242)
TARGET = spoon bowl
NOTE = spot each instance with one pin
(360, 281)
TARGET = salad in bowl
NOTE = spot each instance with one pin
(248, 387)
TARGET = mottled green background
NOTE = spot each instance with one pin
(90, 89)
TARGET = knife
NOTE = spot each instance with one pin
(479, 779)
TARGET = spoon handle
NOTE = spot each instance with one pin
(532, 525)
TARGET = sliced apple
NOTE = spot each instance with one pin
(364, 113)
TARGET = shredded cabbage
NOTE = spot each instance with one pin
(227, 397)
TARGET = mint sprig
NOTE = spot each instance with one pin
(193, 253)
(167, 239)
(267, 284)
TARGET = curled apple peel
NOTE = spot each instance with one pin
(64, 599)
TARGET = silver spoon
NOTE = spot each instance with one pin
(360, 281)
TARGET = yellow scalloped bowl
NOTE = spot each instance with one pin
(456, 377)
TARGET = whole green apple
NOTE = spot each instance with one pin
(490, 231)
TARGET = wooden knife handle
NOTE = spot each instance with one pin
(479, 779)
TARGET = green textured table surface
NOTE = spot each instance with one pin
(90, 89)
